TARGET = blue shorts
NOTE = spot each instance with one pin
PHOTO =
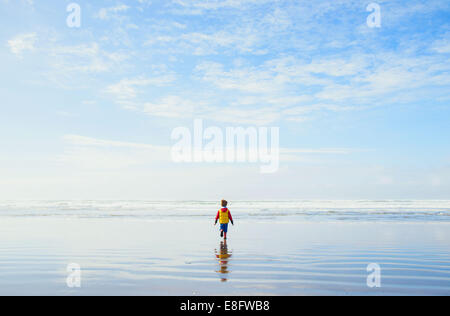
(224, 227)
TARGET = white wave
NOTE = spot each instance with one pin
(305, 209)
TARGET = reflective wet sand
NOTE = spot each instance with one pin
(131, 256)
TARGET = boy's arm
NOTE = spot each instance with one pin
(217, 217)
(231, 217)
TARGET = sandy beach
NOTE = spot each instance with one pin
(148, 248)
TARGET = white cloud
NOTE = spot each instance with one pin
(78, 140)
(22, 43)
(279, 74)
(247, 116)
(89, 153)
(83, 50)
(171, 106)
(442, 46)
(29, 2)
(204, 44)
(217, 4)
(107, 13)
(126, 89)
(391, 78)
(347, 83)
(73, 66)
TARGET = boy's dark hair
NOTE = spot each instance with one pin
(224, 203)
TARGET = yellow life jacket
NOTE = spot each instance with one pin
(224, 218)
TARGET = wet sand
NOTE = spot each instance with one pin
(173, 256)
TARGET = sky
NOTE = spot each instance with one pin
(88, 112)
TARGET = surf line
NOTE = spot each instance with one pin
(191, 306)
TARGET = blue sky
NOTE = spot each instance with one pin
(87, 113)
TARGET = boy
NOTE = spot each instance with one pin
(225, 217)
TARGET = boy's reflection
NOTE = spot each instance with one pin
(223, 258)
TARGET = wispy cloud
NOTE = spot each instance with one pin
(88, 153)
(442, 46)
(108, 13)
(22, 43)
(100, 154)
(127, 89)
(78, 140)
